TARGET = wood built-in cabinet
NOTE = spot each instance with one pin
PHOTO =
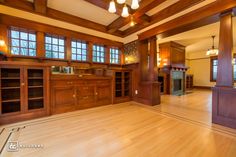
(23, 93)
(189, 82)
(122, 86)
(72, 92)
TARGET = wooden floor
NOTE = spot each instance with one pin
(125, 130)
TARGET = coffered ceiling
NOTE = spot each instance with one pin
(94, 15)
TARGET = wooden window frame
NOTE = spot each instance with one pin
(81, 49)
(212, 58)
(99, 56)
(28, 32)
(119, 55)
(58, 37)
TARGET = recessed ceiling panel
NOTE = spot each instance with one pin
(84, 10)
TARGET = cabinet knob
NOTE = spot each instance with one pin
(73, 95)
(96, 93)
(22, 84)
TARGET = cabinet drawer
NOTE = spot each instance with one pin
(103, 82)
(85, 90)
(62, 83)
(86, 100)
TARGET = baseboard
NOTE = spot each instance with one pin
(203, 87)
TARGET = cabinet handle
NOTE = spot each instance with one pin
(86, 97)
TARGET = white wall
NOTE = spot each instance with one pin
(199, 66)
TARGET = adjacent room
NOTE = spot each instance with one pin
(122, 78)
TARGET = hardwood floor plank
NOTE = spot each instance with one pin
(129, 130)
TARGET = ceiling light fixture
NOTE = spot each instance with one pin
(132, 22)
(213, 50)
(121, 1)
(112, 7)
(125, 11)
(135, 4)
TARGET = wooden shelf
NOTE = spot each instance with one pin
(10, 88)
(12, 100)
(35, 86)
(36, 78)
(36, 98)
(10, 78)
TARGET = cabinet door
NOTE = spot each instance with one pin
(63, 99)
(35, 86)
(103, 94)
(85, 96)
(11, 83)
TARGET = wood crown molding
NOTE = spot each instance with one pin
(209, 10)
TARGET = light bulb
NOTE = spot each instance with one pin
(112, 7)
(135, 4)
(2, 43)
(120, 1)
(125, 11)
(132, 23)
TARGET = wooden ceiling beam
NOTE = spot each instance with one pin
(55, 14)
(207, 11)
(163, 14)
(40, 6)
(138, 15)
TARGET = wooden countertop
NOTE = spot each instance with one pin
(77, 76)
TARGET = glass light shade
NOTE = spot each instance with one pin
(212, 52)
(125, 12)
(135, 4)
(112, 7)
(120, 1)
(2, 42)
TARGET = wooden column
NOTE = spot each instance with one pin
(225, 68)
(153, 76)
(143, 52)
(148, 87)
(223, 94)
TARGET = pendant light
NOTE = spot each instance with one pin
(135, 4)
(121, 1)
(112, 7)
(213, 50)
(125, 11)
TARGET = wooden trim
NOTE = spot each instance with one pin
(187, 19)
(19, 22)
(163, 14)
(203, 87)
(39, 8)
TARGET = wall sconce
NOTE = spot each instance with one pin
(2, 42)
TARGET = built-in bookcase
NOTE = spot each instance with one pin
(10, 90)
(22, 92)
(122, 84)
(35, 89)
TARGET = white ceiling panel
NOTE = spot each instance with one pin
(84, 10)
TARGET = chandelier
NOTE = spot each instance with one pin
(212, 50)
(125, 10)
